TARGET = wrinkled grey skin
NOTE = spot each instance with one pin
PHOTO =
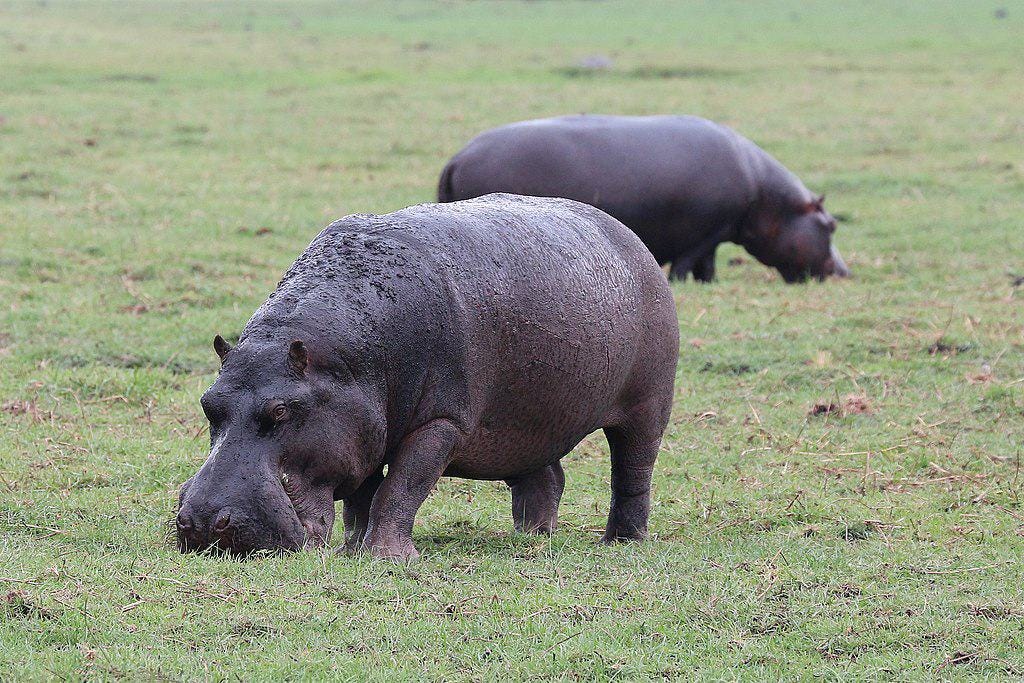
(682, 183)
(480, 339)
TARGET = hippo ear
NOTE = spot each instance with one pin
(298, 357)
(812, 205)
(221, 347)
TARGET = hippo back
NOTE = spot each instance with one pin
(665, 177)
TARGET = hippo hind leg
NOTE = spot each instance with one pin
(704, 268)
(535, 499)
(680, 268)
(633, 452)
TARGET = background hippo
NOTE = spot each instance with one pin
(481, 339)
(682, 183)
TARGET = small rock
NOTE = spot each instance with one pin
(595, 63)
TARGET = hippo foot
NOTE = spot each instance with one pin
(539, 529)
(611, 538)
(394, 552)
(350, 548)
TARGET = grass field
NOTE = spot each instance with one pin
(161, 164)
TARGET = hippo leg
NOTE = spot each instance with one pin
(633, 454)
(704, 268)
(421, 459)
(535, 499)
(681, 267)
(357, 512)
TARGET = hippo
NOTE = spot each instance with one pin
(481, 339)
(682, 183)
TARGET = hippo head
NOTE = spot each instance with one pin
(798, 242)
(284, 443)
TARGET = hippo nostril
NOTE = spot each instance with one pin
(222, 522)
(184, 521)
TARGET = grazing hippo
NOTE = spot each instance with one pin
(682, 183)
(482, 339)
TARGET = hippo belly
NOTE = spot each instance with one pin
(559, 392)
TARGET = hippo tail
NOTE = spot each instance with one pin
(445, 193)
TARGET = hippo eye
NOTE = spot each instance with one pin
(276, 412)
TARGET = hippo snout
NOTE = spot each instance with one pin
(839, 268)
(225, 529)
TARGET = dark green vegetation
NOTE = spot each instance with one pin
(162, 164)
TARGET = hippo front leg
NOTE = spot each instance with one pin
(535, 499)
(357, 512)
(422, 457)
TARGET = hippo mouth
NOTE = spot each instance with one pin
(316, 524)
(795, 276)
(235, 542)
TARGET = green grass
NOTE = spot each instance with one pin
(161, 164)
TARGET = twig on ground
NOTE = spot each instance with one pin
(958, 570)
